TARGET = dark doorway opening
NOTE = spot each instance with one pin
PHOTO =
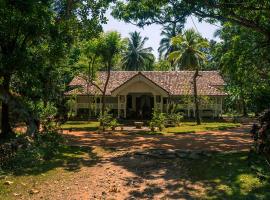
(144, 106)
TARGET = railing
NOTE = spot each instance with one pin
(179, 106)
(97, 106)
(201, 107)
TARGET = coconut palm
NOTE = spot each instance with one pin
(190, 56)
(136, 57)
(165, 44)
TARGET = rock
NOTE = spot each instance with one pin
(8, 183)
(33, 191)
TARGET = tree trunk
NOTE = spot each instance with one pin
(244, 106)
(104, 91)
(88, 94)
(105, 87)
(6, 129)
(197, 114)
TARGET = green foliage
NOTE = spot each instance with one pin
(38, 150)
(168, 32)
(113, 123)
(142, 12)
(245, 67)
(158, 120)
(174, 119)
(162, 65)
(38, 49)
(105, 119)
(136, 57)
(189, 53)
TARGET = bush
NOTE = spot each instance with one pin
(113, 124)
(174, 119)
(158, 120)
(105, 120)
(43, 147)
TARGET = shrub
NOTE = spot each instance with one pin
(113, 124)
(174, 119)
(158, 120)
(105, 120)
(43, 147)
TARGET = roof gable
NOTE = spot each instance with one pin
(140, 77)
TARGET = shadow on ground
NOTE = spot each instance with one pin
(227, 140)
(224, 176)
(70, 158)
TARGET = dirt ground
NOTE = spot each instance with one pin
(121, 174)
(236, 139)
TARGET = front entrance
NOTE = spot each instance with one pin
(140, 106)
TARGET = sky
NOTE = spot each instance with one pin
(153, 31)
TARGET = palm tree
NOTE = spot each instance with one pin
(136, 57)
(165, 44)
(190, 56)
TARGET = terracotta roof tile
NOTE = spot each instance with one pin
(174, 82)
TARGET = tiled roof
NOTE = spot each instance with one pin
(174, 82)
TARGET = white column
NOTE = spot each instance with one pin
(221, 109)
(155, 102)
(161, 103)
(95, 104)
(118, 106)
(125, 106)
(167, 106)
(76, 106)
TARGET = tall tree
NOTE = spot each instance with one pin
(243, 58)
(190, 56)
(31, 31)
(136, 57)
(109, 46)
(165, 44)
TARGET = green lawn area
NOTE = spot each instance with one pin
(191, 127)
(81, 125)
(185, 127)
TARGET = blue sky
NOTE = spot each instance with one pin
(153, 31)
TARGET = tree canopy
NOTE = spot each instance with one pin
(136, 56)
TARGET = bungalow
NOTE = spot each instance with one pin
(133, 94)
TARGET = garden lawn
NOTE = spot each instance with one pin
(191, 127)
(81, 125)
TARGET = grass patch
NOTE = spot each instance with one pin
(231, 176)
(81, 125)
(191, 127)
